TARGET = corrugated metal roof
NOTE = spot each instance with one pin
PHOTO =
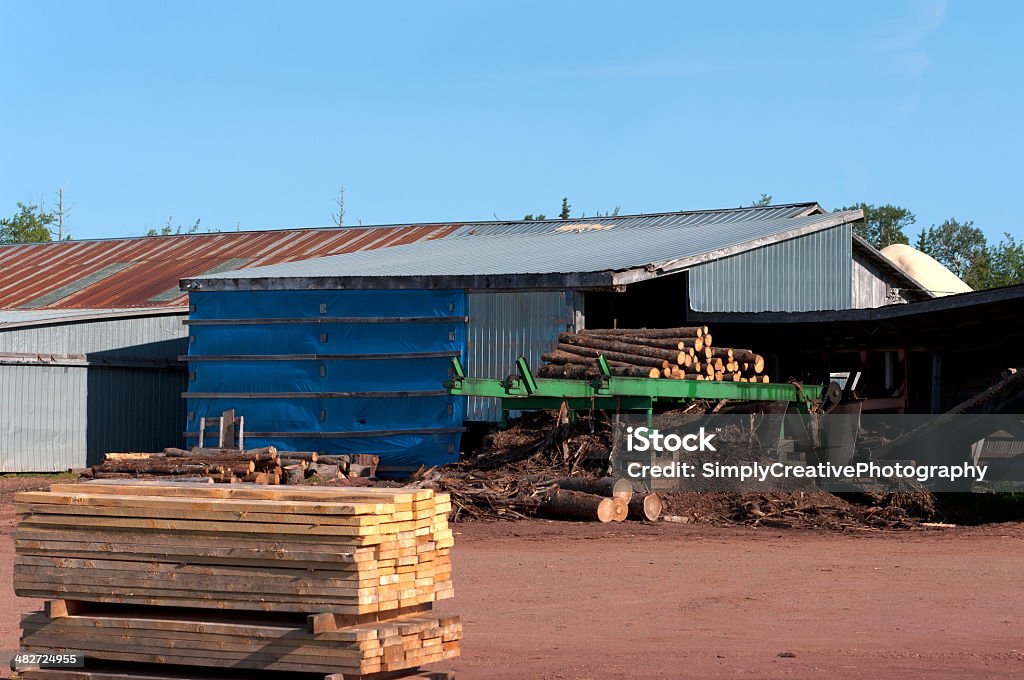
(145, 271)
(140, 272)
(651, 221)
(658, 249)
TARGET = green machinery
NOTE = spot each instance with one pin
(523, 392)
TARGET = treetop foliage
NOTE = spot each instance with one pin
(30, 224)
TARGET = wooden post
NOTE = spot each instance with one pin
(227, 429)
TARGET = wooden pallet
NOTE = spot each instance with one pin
(160, 673)
(201, 638)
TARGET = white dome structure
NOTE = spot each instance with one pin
(928, 271)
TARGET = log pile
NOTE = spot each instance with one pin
(264, 465)
(311, 579)
(677, 353)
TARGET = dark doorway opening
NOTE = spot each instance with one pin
(656, 303)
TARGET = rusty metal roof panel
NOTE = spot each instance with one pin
(144, 272)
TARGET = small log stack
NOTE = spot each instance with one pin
(265, 465)
(604, 499)
(673, 353)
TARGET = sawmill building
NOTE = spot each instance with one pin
(339, 338)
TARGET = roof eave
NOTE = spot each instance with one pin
(600, 280)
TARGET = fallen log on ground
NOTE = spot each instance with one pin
(645, 507)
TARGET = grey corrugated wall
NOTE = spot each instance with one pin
(61, 416)
(42, 421)
(141, 336)
(808, 273)
(505, 326)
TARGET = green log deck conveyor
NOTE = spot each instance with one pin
(524, 392)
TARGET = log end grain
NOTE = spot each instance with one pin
(645, 507)
(620, 509)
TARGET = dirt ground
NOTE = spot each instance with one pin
(554, 600)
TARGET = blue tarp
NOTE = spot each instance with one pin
(335, 373)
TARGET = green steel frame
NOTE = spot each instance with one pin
(524, 392)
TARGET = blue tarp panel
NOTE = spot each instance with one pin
(332, 371)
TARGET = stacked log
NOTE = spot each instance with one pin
(685, 353)
(265, 465)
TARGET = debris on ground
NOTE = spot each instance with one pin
(509, 475)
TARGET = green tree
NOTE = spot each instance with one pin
(170, 230)
(564, 215)
(530, 217)
(883, 225)
(962, 248)
(31, 224)
(614, 212)
(765, 200)
(1005, 263)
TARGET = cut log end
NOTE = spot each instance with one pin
(620, 509)
(645, 507)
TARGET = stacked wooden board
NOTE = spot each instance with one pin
(681, 353)
(401, 644)
(350, 574)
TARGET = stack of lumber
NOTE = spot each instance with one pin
(264, 465)
(679, 353)
(173, 572)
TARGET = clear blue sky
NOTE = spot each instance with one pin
(252, 113)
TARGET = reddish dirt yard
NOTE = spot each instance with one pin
(563, 600)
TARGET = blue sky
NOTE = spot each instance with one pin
(251, 114)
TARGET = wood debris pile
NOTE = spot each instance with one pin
(801, 510)
(515, 471)
(542, 465)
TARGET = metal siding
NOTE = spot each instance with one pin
(59, 417)
(134, 410)
(505, 326)
(808, 273)
(43, 418)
